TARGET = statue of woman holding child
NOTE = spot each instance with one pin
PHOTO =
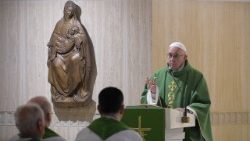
(71, 60)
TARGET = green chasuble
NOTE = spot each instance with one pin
(106, 127)
(181, 89)
(49, 133)
(36, 139)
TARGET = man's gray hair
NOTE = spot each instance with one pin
(27, 116)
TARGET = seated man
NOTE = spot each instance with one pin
(30, 123)
(49, 135)
(108, 127)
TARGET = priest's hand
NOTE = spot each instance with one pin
(151, 85)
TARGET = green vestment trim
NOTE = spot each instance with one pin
(35, 139)
(49, 133)
(191, 91)
(106, 127)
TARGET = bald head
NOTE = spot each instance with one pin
(44, 105)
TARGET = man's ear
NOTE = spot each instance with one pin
(186, 57)
(122, 109)
(99, 109)
(40, 126)
(48, 117)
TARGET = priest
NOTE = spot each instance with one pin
(109, 127)
(179, 85)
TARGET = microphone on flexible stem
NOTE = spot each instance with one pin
(185, 118)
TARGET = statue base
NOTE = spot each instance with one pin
(71, 101)
(82, 113)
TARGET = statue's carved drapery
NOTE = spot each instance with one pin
(71, 60)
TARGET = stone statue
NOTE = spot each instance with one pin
(71, 60)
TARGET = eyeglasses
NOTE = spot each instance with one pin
(175, 56)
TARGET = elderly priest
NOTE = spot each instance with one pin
(179, 85)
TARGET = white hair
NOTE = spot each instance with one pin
(27, 116)
(178, 45)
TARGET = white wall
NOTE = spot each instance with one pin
(120, 31)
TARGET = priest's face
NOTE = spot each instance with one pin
(176, 58)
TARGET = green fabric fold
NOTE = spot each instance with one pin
(49, 133)
(106, 127)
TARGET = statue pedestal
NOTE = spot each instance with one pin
(81, 113)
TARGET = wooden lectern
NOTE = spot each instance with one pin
(156, 123)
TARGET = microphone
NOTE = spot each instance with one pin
(185, 118)
(161, 102)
